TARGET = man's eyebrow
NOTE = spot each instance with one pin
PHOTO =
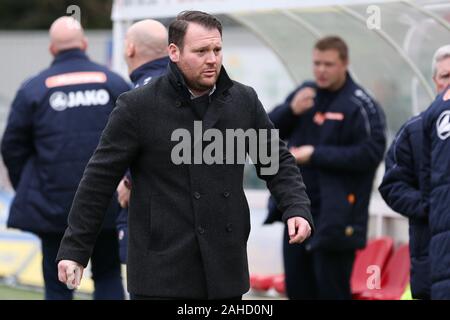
(207, 46)
(201, 48)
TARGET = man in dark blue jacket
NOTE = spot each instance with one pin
(146, 57)
(54, 126)
(402, 184)
(336, 131)
(436, 183)
(401, 189)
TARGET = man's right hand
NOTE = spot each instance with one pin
(123, 192)
(303, 100)
(70, 273)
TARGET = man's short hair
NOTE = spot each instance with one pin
(333, 43)
(440, 54)
(177, 29)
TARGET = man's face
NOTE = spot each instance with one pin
(442, 77)
(329, 69)
(200, 59)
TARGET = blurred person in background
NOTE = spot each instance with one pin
(402, 183)
(435, 172)
(336, 132)
(146, 57)
(53, 128)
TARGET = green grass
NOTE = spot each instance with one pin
(13, 293)
(10, 293)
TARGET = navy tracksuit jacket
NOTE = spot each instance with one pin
(53, 128)
(436, 180)
(401, 188)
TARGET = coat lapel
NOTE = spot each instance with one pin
(215, 110)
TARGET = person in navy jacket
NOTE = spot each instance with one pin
(53, 128)
(146, 57)
(436, 183)
(336, 131)
(402, 183)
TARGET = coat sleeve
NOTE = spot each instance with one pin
(366, 149)
(282, 116)
(118, 146)
(425, 167)
(281, 173)
(400, 186)
(17, 143)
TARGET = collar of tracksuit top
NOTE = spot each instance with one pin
(69, 55)
(151, 68)
(199, 104)
(324, 97)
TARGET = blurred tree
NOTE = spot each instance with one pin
(39, 14)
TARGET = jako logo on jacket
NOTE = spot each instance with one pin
(60, 101)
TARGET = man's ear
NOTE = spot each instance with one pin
(84, 44)
(435, 82)
(52, 49)
(346, 62)
(130, 50)
(174, 52)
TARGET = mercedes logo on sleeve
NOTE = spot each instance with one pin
(443, 125)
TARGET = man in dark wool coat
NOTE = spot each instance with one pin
(189, 219)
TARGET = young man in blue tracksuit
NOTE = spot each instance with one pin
(53, 128)
(146, 57)
(336, 131)
(402, 183)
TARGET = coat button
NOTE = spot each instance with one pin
(178, 103)
(229, 227)
(226, 194)
(200, 230)
(349, 231)
(197, 195)
(351, 198)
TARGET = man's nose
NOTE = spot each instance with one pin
(211, 57)
(321, 68)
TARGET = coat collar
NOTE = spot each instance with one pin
(219, 98)
(329, 99)
(177, 80)
(69, 55)
(348, 84)
(151, 68)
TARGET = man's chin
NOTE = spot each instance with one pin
(323, 85)
(208, 84)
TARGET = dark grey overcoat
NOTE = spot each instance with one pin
(188, 223)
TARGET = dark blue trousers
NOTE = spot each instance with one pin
(317, 274)
(105, 268)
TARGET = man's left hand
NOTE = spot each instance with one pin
(299, 229)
